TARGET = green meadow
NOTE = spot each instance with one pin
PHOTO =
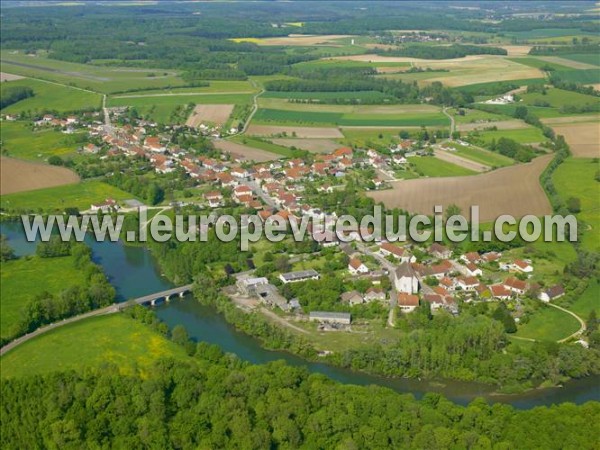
(430, 166)
(52, 275)
(264, 145)
(21, 141)
(51, 97)
(576, 178)
(480, 155)
(522, 135)
(114, 339)
(56, 199)
(584, 76)
(548, 324)
(588, 58)
(588, 301)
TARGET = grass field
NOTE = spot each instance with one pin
(92, 342)
(538, 63)
(17, 289)
(215, 87)
(20, 141)
(587, 58)
(161, 108)
(548, 324)
(524, 136)
(434, 167)
(267, 146)
(589, 300)
(105, 79)
(51, 97)
(278, 116)
(80, 195)
(585, 76)
(575, 178)
(319, 96)
(480, 155)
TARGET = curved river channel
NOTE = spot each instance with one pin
(134, 273)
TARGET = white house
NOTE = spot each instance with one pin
(406, 280)
(521, 266)
(355, 266)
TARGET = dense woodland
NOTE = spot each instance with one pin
(214, 400)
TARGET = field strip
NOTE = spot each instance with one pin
(583, 138)
(217, 114)
(181, 94)
(567, 62)
(296, 132)
(501, 125)
(513, 190)
(245, 151)
(19, 176)
(570, 119)
(450, 157)
(377, 127)
(51, 70)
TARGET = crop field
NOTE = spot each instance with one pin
(528, 135)
(217, 114)
(20, 141)
(56, 199)
(511, 124)
(588, 76)
(587, 58)
(566, 63)
(494, 192)
(52, 275)
(21, 176)
(280, 116)
(472, 69)
(9, 77)
(247, 152)
(548, 324)
(575, 178)
(546, 62)
(453, 158)
(105, 79)
(480, 155)
(293, 131)
(297, 39)
(583, 138)
(375, 110)
(430, 166)
(372, 96)
(310, 145)
(52, 97)
(161, 108)
(93, 342)
(214, 87)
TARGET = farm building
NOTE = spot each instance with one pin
(301, 275)
(330, 317)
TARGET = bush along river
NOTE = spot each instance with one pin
(134, 273)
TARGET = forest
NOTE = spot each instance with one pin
(14, 94)
(215, 400)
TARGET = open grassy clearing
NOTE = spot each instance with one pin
(298, 39)
(583, 138)
(548, 324)
(52, 275)
(246, 152)
(51, 97)
(370, 136)
(539, 63)
(310, 145)
(56, 199)
(434, 167)
(19, 140)
(527, 135)
(105, 79)
(567, 63)
(162, 108)
(214, 87)
(510, 124)
(93, 342)
(371, 96)
(264, 145)
(294, 131)
(453, 158)
(480, 155)
(476, 117)
(575, 178)
(589, 300)
(20, 176)
(588, 76)
(495, 192)
(279, 116)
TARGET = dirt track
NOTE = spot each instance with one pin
(511, 190)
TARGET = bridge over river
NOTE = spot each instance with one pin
(146, 300)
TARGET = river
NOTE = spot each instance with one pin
(134, 273)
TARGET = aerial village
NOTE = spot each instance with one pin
(400, 276)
